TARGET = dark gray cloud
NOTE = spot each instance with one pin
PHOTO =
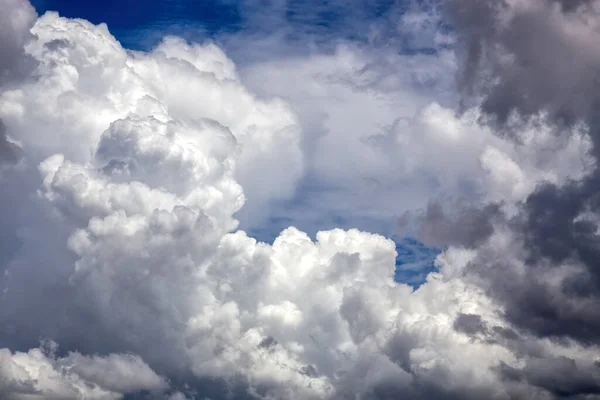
(557, 226)
(560, 376)
(470, 324)
(525, 59)
(571, 5)
(15, 20)
(456, 224)
(536, 303)
(530, 56)
(9, 152)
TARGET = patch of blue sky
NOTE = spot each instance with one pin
(140, 25)
(414, 261)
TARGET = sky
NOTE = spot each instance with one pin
(294, 199)
(308, 24)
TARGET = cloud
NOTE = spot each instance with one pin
(40, 374)
(16, 21)
(9, 152)
(528, 56)
(124, 248)
(561, 376)
(398, 142)
(551, 240)
(470, 228)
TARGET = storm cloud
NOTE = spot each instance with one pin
(535, 60)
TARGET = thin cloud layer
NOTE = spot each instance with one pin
(120, 224)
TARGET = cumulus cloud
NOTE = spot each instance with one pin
(121, 220)
(41, 374)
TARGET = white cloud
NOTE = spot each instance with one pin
(40, 374)
(123, 208)
(380, 122)
(83, 71)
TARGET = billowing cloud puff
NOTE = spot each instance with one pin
(83, 71)
(121, 244)
(41, 374)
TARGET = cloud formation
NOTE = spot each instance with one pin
(121, 244)
(17, 17)
(377, 107)
(541, 62)
(529, 56)
(41, 374)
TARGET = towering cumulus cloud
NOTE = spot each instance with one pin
(122, 173)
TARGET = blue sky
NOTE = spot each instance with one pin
(141, 26)
(240, 27)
